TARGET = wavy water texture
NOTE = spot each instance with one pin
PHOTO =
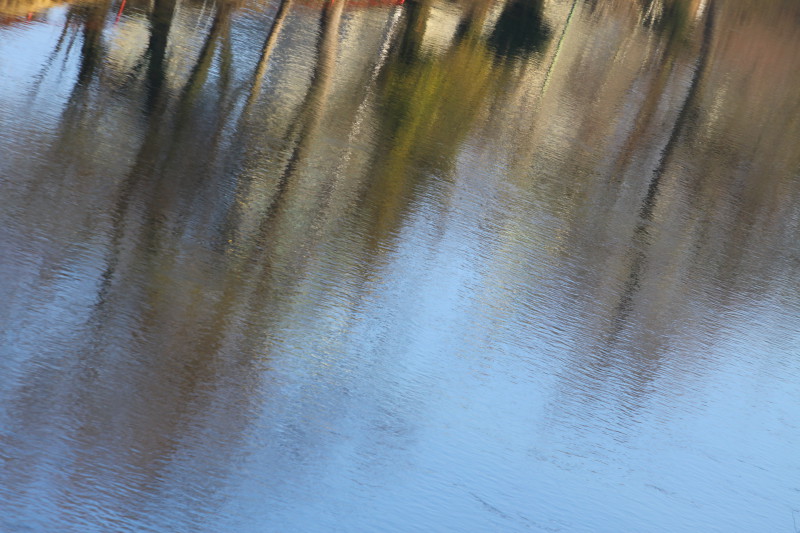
(386, 265)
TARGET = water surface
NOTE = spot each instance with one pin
(399, 266)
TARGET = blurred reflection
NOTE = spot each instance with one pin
(252, 248)
(520, 29)
(17, 11)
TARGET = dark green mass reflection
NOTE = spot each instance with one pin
(520, 29)
(670, 18)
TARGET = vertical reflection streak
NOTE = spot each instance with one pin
(641, 237)
(311, 110)
(160, 25)
(368, 99)
(648, 204)
(266, 53)
(557, 52)
(48, 63)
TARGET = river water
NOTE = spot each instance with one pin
(373, 265)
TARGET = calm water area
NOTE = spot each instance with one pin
(386, 265)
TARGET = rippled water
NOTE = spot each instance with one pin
(383, 266)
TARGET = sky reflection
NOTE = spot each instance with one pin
(471, 266)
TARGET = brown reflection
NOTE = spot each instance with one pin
(651, 326)
(15, 11)
(158, 352)
(633, 154)
(130, 400)
(641, 237)
(266, 51)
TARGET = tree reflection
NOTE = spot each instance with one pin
(160, 23)
(520, 29)
(671, 18)
(247, 173)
